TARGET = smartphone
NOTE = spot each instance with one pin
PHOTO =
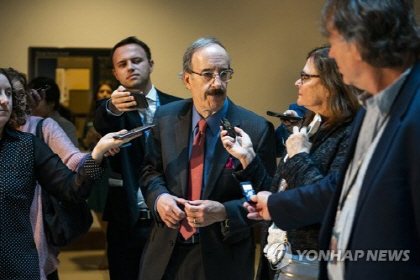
(44, 87)
(140, 99)
(133, 131)
(227, 126)
(248, 191)
(284, 117)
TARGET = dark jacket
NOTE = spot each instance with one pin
(121, 205)
(25, 159)
(166, 170)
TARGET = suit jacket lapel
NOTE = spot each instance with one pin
(221, 156)
(399, 108)
(163, 98)
(182, 132)
(135, 118)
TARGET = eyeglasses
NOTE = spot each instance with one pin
(304, 77)
(224, 76)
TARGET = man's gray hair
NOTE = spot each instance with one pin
(196, 45)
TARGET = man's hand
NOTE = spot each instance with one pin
(241, 147)
(169, 212)
(33, 97)
(202, 213)
(121, 101)
(259, 210)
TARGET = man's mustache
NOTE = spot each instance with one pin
(216, 91)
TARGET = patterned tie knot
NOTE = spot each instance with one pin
(199, 137)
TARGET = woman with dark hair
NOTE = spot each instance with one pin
(55, 137)
(313, 152)
(26, 159)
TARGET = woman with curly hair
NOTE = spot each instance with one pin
(24, 160)
(55, 137)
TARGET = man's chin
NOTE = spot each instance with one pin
(216, 105)
(132, 84)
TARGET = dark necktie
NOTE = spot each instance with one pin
(195, 178)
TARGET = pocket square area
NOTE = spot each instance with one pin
(230, 164)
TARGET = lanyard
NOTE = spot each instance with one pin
(358, 165)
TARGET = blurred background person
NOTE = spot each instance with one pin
(90, 135)
(313, 152)
(50, 107)
(285, 128)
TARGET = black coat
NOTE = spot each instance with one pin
(228, 256)
(121, 205)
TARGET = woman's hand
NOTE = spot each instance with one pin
(241, 147)
(108, 145)
(298, 142)
(289, 124)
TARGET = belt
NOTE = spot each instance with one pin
(145, 214)
(194, 239)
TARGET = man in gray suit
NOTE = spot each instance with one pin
(223, 244)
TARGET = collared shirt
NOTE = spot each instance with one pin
(212, 135)
(374, 123)
(153, 101)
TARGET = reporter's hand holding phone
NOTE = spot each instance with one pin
(122, 101)
(108, 145)
(259, 209)
(138, 131)
(241, 148)
(298, 142)
(289, 124)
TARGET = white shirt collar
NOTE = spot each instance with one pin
(152, 94)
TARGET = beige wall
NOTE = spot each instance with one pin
(267, 39)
